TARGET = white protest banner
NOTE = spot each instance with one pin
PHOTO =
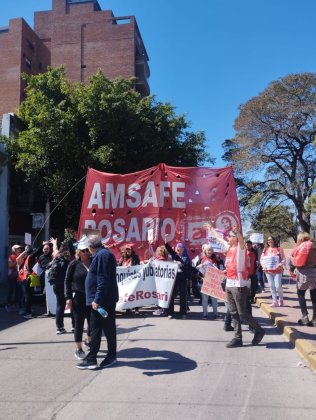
(270, 262)
(212, 283)
(214, 242)
(37, 269)
(148, 284)
(28, 238)
(256, 238)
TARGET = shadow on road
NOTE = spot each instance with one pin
(154, 362)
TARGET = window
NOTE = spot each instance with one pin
(30, 45)
(28, 62)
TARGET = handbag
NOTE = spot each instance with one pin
(35, 280)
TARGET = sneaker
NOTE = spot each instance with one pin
(87, 344)
(80, 354)
(72, 330)
(107, 362)
(236, 342)
(281, 302)
(304, 320)
(183, 316)
(258, 337)
(170, 316)
(87, 364)
(158, 312)
(28, 316)
(61, 331)
(204, 317)
(21, 311)
(274, 304)
(228, 328)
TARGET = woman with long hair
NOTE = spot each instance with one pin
(128, 259)
(75, 293)
(304, 259)
(160, 254)
(208, 258)
(272, 261)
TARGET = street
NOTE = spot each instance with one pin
(166, 369)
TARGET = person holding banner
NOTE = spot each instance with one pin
(161, 254)
(208, 258)
(272, 261)
(237, 288)
(128, 259)
(180, 256)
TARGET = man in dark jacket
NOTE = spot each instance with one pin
(101, 293)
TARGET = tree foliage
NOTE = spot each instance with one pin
(277, 221)
(103, 124)
(273, 151)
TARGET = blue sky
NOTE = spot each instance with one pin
(209, 56)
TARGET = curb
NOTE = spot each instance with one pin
(304, 347)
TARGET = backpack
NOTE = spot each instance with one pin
(57, 270)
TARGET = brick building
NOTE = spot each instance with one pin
(76, 34)
(83, 38)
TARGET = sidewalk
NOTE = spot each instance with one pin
(285, 318)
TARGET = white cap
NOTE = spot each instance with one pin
(83, 243)
(16, 247)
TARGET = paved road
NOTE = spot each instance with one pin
(167, 369)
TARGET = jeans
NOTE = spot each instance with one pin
(181, 287)
(253, 286)
(97, 325)
(79, 313)
(275, 283)
(228, 318)
(205, 299)
(60, 304)
(260, 278)
(12, 294)
(302, 302)
(27, 294)
(237, 305)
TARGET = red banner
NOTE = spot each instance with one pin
(163, 200)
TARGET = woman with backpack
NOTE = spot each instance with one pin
(304, 259)
(272, 261)
(56, 277)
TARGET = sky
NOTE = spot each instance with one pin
(207, 57)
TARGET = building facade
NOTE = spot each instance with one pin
(78, 35)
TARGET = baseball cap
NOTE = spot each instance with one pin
(14, 247)
(83, 243)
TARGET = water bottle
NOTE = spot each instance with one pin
(102, 312)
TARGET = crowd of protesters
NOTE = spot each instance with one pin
(248, 267)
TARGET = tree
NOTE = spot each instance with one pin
(274, 138)
(277, 221)
(103, 124)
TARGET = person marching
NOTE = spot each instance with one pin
(272, 261)
(75, 293)
(237, 287)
